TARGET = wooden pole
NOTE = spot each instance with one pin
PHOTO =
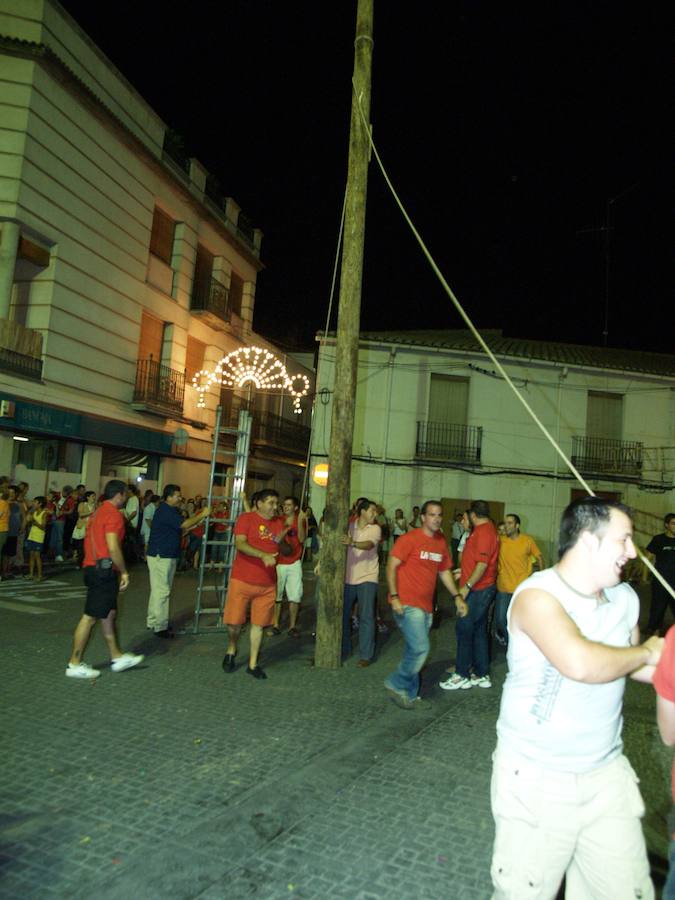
(329, 617)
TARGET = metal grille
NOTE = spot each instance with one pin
(158, 385)
(211, 296)
(595, 454)
(445, 441)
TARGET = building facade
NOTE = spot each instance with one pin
(433, 419)
(123, 272)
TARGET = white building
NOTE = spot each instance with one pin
(122, 273)
(434, 420)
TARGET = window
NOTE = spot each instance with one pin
(51, 455)
(161, 238)
(236, 293)
(194, 358)
(152, 338)
(604, 415)
(201, 285)
(448, 399)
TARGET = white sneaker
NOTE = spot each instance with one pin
(126, 661)
(81, 670)
(483, 682)
(456, 683)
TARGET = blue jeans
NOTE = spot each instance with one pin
(669, 887)
(414, 624)
(472, 641)
(366, 594)
(502, 600)
(56, 537)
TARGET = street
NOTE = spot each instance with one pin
(176, 781)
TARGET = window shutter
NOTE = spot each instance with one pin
(161, 239)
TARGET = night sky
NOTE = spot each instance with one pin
(506, 128)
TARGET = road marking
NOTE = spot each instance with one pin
(31, 610)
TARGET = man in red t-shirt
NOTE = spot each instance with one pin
(664, 683)
(105, 574)
(253, 581)
(289, 565)
(416, 560)
(478, 579)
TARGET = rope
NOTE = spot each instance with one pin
(474, 331)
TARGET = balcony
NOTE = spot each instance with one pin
(598, 456)
(159, 390)
(444, 442)
(211, 302)
(269, 432)
(20, 350)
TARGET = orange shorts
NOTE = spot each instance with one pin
(260, 596)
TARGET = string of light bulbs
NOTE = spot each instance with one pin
(251, 365)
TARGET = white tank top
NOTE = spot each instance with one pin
(563, 724)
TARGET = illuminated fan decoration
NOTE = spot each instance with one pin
(252, 365)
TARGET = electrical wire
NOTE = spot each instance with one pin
(474, 331)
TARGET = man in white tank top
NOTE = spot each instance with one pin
(564, 798)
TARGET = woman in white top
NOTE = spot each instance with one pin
(84, 511)
(148, 515)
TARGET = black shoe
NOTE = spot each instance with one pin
(257, 672)
(228, 662)
(166, 634)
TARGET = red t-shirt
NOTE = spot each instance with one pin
(107, 519)
(259, 533)
(292, 540)
(664, 681)
(217, 517)
(482, 546)
(422, 558)
(68, 505)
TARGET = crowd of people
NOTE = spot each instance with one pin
(565, 799)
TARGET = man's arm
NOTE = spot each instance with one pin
(115, 551)
(473, 578)
(449, 582)
(539, 615)
(243, 546)
(392, 578)
(645, 674)
(665, 717)
(195, 520)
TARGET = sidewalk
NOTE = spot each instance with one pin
(174, 780)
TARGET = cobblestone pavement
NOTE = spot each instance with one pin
(174, 780)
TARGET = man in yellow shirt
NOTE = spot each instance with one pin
(516, 554)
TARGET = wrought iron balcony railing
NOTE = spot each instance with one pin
(443, 441)
(267, 429)
(158, 388)
(597, 455)
(211, 297)
(20, 350)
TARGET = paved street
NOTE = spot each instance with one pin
(176, 781)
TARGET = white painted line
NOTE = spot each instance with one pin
(31, 610)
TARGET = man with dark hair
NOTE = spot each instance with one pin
(478, 576)
(564, 798)
(105, 574)
(163, 552)
(662, 549)
(416, 560)
(253, 581)
(516, 553)
(289, 564)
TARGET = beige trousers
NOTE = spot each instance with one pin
(161, 572)
(551, 824)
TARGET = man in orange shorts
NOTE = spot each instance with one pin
(254, 577)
